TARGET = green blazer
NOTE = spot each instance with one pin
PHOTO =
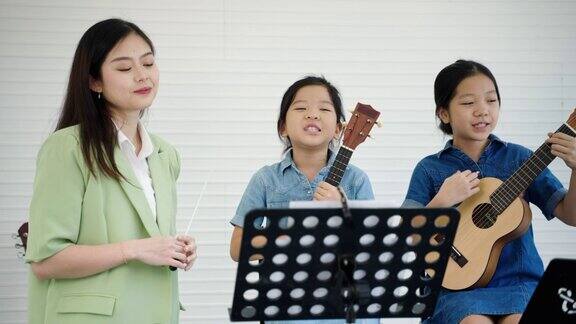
(72, 206)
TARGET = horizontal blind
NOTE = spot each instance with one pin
(224, 66)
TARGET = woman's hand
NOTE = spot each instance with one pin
(190, 248)
(158, 251)
(326, 191)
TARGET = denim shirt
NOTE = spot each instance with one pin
(274, 186)
(519, 261)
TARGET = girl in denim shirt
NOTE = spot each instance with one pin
(468, 105)
(310, 120)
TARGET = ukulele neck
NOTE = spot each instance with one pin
(339, 166)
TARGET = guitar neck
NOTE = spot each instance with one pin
(339, 166)
(511, 189)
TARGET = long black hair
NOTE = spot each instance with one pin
(84, 107)
(448, 80)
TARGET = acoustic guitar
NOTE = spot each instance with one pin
(493, 217)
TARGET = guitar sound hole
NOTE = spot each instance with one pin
(484, 216)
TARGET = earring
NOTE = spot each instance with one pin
(99, 94)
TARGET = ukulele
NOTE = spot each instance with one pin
(363, 119)
(491, 218)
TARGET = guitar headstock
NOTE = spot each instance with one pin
(358, 128)
(23, 236)
(572, 119)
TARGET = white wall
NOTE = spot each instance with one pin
(224, 67)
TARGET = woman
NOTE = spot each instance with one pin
(103, 210)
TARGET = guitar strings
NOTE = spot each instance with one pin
(504, 188)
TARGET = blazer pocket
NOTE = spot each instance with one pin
(86, 303)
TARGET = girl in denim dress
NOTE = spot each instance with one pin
(310, 120)
(468, 106)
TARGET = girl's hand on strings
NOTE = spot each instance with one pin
(458, 187)
(563, 146)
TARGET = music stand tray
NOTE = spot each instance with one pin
(342, 263)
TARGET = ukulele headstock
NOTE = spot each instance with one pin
(358, 128)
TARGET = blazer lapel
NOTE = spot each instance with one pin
(134, 192)
(161, 181)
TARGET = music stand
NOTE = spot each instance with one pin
(342, 263)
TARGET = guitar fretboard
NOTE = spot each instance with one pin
(511, 189)
(339, 166)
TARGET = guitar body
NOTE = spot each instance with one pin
(480, 239)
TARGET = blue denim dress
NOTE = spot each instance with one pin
(274, 186)
(520, 266)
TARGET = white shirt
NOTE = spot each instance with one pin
(139, 164)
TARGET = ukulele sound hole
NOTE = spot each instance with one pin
(484, 216)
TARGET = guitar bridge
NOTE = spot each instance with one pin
(458, 257)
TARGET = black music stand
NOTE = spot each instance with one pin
(342, 263)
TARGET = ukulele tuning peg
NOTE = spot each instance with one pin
(15, 236)
(371, 137)
(379, 124)
(21, 255)
(18, 246)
